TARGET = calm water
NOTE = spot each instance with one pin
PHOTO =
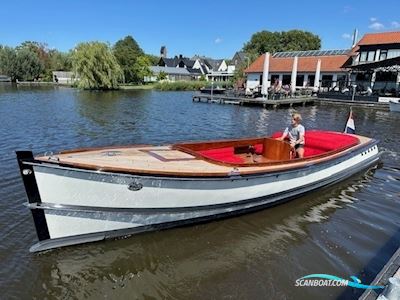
(349, 229)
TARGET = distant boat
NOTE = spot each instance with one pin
(209, 90)
(88, 195)
(4, 78)
(394, 106)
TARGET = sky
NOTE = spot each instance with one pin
(212, 28)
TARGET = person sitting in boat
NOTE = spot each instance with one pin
(295, 132)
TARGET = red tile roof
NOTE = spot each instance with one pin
(332, 63)
(380, 38)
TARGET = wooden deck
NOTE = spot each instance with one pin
(331, 101)
(391, 269)
(165, 160)
(266, 103)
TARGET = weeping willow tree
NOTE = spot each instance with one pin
(96, 66)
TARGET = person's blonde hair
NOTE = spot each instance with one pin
(297, 117)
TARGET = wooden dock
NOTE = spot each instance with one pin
(368, 104)
(266, 103)
(391, 269)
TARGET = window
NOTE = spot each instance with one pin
(363, 56)
(286, 79)
(299, 80)
(386, 76)
(393, 53)
(383, 54)
(371, 56)
(341, 81)
(363, 77)
(327, 80)
(311, 80)
(274, 78)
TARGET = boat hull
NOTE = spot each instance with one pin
(74, 206)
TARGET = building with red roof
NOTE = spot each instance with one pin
(281, 65)
(338, 68)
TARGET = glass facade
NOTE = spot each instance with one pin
(363, 56)
(371, 56)
(383, 54)
(393, 53)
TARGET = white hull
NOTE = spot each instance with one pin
(83, 205)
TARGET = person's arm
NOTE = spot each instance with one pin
(284, 134)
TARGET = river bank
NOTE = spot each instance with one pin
(162, 86)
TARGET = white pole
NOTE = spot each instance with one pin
(354, 91)
(294, 75)
(317, 75)
(264, 88)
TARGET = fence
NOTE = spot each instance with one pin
(361, 88)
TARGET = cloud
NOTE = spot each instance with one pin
(346, 36)
(376, 26)
(218, 40)
(395, 24)
(373, 19)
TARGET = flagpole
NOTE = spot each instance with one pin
(350, 126)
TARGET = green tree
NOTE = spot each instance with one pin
(127, 51)
(239, 75)
(96, 66)
(293, 40)
(60, 61)
(154, 59)
(41, 51)
(20, 63)
(299, 40)
(51, 60)
(161, 76)
(29, 65)
(8, 62)
(141, 69)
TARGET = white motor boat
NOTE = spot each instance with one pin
(88, 195)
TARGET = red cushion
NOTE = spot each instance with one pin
(318, 142)
(258, 148)
(222, 154)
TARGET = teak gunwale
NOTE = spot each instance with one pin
(242, 169)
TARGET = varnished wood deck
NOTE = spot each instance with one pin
(163, 160)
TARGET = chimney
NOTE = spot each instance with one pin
(355, 38)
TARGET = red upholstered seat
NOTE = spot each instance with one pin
(258, 148)
(225, 155)
(318, 142)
